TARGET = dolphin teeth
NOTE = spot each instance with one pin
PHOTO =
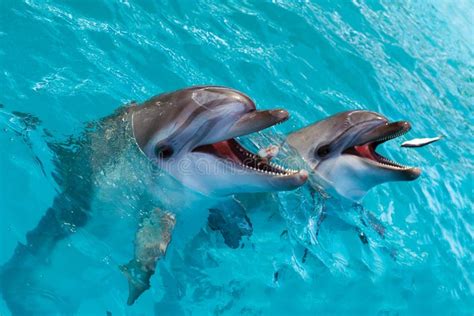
(251, 161)
(388, 162)
(384, 139)
(383, 160)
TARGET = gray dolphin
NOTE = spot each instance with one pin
(340, 154)
(340, 151)
(198, 125)
(190, 135)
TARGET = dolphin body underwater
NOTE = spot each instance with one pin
(177, 135)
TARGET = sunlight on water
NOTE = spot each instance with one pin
(64, 64)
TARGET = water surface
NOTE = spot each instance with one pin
(68, 63)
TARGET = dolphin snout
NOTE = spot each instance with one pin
(257, 120)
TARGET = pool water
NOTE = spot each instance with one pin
(64, 64)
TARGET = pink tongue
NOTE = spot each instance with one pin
(224, 149)
(365, 151)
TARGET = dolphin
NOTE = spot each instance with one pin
(199, 125)
(341, 152)
(188, 135)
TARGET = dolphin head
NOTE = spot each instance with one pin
(340, 150)
(190, 134)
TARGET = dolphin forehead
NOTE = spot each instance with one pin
(209, 97)
(169, 113)
(334, 126)
(361, 116)
(215, 96)
(335, 130)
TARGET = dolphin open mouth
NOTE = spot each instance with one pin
(367, 143)
(232, 151)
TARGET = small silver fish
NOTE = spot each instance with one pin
(420, 142)
(269, 152)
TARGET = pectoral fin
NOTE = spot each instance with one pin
(230, 219)
(138, 279)
(151, 241)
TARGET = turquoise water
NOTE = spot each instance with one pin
(68, 63)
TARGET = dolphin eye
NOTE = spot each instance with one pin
(323, 151)
(163, 151)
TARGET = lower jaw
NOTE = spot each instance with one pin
(368, 155)
(368, 152)
(235, 153)
(385, 132)
(404, 173)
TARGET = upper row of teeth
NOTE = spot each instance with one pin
(403, 131)
(284, 171)
(392, 163)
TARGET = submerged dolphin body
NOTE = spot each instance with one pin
(187, 134)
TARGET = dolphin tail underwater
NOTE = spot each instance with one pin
(184, 127)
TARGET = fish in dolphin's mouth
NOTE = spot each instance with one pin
(232, 151)
(366, 145)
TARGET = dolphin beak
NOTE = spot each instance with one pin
(411, 174)
(290, 182)
(256, 121)
(385, 131)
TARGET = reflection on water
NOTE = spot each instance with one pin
(71, 63)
